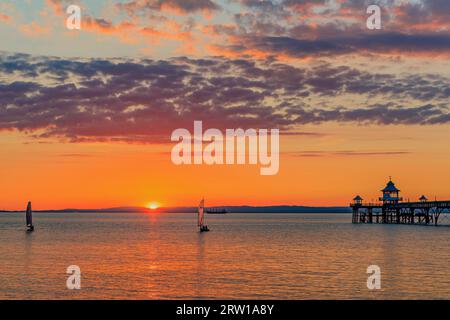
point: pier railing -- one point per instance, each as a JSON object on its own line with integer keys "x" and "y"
{"x": 423, "y": 204}
{"x": 423, "y": 212}
{"x": 367, "y": 204}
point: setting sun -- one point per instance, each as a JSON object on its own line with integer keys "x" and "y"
{"x": 153, "y": 206}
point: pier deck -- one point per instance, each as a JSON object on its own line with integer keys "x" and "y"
{"x": 424, "y": 212}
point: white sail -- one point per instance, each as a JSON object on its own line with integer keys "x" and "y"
{"x": 201, "y": 212}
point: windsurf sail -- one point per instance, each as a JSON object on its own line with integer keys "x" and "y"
{"x": 201, "y": 213}
{"x": 29, "y": 215}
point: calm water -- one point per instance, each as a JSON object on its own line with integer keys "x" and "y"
{"x": 256, "y": 256}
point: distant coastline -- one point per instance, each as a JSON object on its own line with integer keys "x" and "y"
{"x": 230, "y": 209}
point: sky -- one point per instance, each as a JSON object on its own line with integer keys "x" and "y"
{"x": 86, "y": 115}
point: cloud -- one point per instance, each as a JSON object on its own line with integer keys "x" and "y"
{"x": 294, "y": 29}
{"x": 74, "y": 155}
{"x": 190, "y": 5}
{"x": 383, "y": 43}
{"x": 381, "y": 114}
{"x": 33, "y": 29}
{"x": 5, "y": 18}
{"x": 347, "y": 153}
{"x": 307, "y": 29}
{"x": 142, "y": 100}
{"x": 180, "y": 6}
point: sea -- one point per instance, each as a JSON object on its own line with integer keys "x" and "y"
{"x": 245, "y": 256}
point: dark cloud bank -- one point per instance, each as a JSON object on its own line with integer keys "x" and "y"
{"x": 142, "y": 101}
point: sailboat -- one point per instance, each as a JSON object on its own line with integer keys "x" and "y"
{"x": 29, "y": 216}
{"x": 201, "y": 216}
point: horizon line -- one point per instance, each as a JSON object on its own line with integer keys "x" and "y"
{"x": 175, "y": 207}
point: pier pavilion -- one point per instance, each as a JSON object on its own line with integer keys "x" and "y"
{"x": 392, "y": 209}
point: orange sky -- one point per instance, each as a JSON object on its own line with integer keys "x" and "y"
{"x": 373, "y": 104}
{"x": 313, "y": 171}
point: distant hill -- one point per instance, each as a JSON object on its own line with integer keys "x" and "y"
{"x": 286, "y": 209}
{"x": 230, "y": 209}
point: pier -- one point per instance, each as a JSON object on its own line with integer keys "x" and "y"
{"x": 391, "y": 209}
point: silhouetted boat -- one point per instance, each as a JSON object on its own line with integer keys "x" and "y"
{"x": 201, "y": 217}
{"x": 29, "y": 218}
{"x": 216, "y": 211}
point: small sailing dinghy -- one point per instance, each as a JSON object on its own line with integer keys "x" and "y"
{"x": 201, "y": 217}
{"x": 29, "y": 216}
